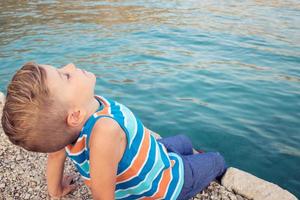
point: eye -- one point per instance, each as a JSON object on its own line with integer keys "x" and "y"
{"x": 67, "y": 75}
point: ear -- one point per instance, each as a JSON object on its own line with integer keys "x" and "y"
{"x": 75, "y": 117}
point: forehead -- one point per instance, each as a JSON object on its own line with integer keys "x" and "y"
{"x": 52, "y": 77}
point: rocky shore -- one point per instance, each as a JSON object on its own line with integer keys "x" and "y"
{"x": 22, "y": 176}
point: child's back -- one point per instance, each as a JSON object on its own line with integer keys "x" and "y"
{"x": 146, "y": 168}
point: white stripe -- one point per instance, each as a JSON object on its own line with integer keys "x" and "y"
{"x": 76, "y": 162}
{"x": 88, "y": 162}
{"x": 180, "y": 174}
{"x": 76, "y": 154}
{"x": 109, "y": 109}
{"x": 103, "y": 99}
{"x": 129, "y": 122}
{"x": 123, "y": 113}
{"x": 86, "y": 178}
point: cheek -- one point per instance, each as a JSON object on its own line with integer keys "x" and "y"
{"x": 65, "y": 95}
{"x": 86, "y": 86}
{"x": 90, "y": 81}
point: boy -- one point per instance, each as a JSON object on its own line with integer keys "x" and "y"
{"x": 55, "y": 111}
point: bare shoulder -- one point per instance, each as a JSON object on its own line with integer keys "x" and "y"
{"x": 108, "y": 132}
{"x": 107, "y": 125}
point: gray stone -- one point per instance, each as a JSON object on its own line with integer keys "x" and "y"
{"x": 253, "y": 187}
{"x": 19, "y": 157}
{"x": 239, "y": 197}
{"x": 27, "y": 196}
{"x": 2, "y": 185}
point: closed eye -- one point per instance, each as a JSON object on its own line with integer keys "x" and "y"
{"x": 67, "y": 75}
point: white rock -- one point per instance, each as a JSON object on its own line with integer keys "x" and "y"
{"x": 253, "y": 187}
{"x": 2, "y": 185}
{"x": 27, "y": 196}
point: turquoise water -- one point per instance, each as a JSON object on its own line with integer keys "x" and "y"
{"x": 227, "y": 74}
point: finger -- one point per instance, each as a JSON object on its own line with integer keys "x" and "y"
{"x": 69, "y": 179}
{"x": 68, "y": 189}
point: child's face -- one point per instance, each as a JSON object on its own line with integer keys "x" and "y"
{"x": 70, "y": 84}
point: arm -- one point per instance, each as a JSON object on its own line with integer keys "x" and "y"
{"x": 104, "y": 158}
{"x": 57, "y": 185}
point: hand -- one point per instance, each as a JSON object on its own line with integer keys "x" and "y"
{"x": 68, "y": 186}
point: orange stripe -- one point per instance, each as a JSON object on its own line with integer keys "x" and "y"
{"x": 166, "y": 179}
{"x": 87, "y": 182}
{"x": 104, "y": 111}
{"x": 138, "y": 162}
{"x": 79, "y": 146}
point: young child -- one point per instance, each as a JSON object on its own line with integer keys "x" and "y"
{"x": 55, "y": 111}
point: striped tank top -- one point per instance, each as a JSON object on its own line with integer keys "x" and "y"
{"x": 146, "y": 170}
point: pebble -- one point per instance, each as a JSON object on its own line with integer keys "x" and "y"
{"x": 33, "y": 184}
{"x": 239, "y": 197}
{"x": 2, "y": 185}
{"x": 27, "y": 196}
{"x": 19, "y": 157}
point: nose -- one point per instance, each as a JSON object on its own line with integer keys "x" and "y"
{"x": 69, "y": 67}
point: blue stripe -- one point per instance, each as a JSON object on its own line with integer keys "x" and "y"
{"x": 85, "y": 166}
{"x": 137, "y": 141}
{"x": 175, "y": 180}
{"x": 78, "y": 158}
{"x": 164, "y": 156}
{"x": 82, "y": 172}
{"x": 147, "y": 167}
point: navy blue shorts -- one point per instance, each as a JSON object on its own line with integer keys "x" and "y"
{"x": 199, "y": 169}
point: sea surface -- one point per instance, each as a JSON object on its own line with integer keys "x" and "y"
{"x": 225, "y": 73}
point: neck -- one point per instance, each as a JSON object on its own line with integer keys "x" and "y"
{"x": 91, "y": 107}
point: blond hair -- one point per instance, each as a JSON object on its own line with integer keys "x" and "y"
{"x": 31, "y": 117}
